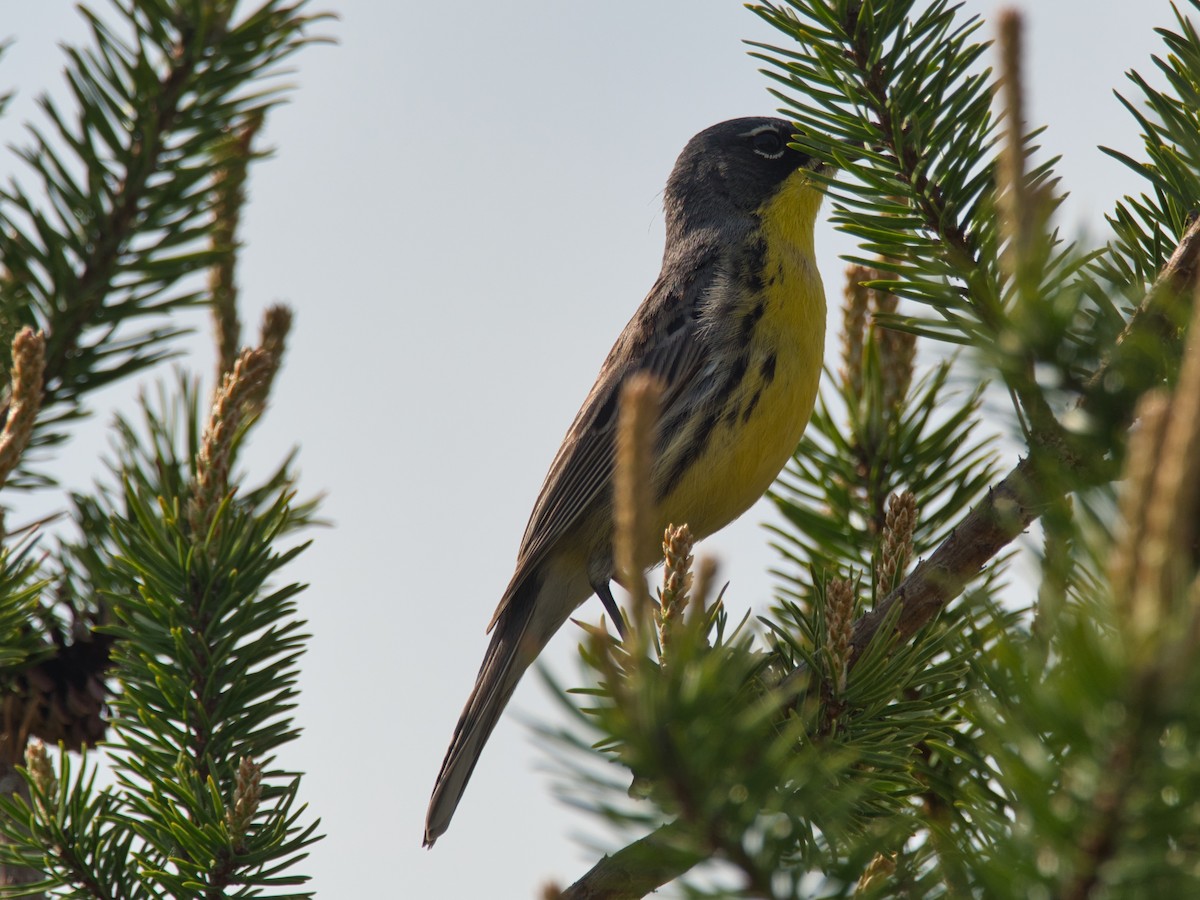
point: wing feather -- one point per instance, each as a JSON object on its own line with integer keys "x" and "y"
{"x": 663, "y": 338}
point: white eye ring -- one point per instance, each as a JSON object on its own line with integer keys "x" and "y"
{"x": 767, "y": 154}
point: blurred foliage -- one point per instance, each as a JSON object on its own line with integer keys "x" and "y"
{"x": 162, "y": 617}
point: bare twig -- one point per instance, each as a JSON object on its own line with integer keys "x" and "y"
{"x": 640, "y": 868}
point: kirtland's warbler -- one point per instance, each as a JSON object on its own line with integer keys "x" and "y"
{"x": 734, "y": 329}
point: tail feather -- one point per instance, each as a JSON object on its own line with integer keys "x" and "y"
{"x": 512, "y": 649}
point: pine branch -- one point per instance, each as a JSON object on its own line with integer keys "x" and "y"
{"x": 897, "y": 83}
{"x": 135, "y": 195}
{"x": 154, "y": 109}
{"x": 875, "y": 435}
{"x": 1152, "y": 335}
{"x": 640, "y": 868}
{"x": 890, "y": 93}
{"x": 1025, "y": 492}
{"x": 1007, "y": 510}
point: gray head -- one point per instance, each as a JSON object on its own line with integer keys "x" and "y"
{"x": 730, "y": 168}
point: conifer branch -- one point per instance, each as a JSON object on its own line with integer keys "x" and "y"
{"x": 1009, "y": 507}
{"x": 640, "y": 868}
{"x": 1006, "y": 511}
{"x": 113, "y": 231}
{"x": 113, "y": 247}
{"x": 1152, "y": 334}
{"x": 134, "y": 195}
{"x": 1150, "y": 574}
{"x": 899, "y": 83}
{"x": 926, "y": 201}
{"x": 1025, "y": 492}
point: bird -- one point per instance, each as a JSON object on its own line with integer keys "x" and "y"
{"x": 733, "y": 330}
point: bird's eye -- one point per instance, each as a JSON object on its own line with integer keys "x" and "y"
{"x": 768, "y": 143}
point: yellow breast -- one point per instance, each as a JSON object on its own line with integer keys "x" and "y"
{"x": 763, "y": 421}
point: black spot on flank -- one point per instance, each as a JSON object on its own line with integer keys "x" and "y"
{"x": 728, "y": 389}
{"x": 730, "y": 417}
{"x": 776, "y": 275}
{"x": 768, "y": 369}
{"x": 688, "y": 457}
{"x": 751, "y": 318}
{"x": 758, "y": 254}
{"x": 704, "y": 432}
{"x": 736, "y": 372}
{"x": 755, "y": 265}
{"x": 746, "y": 413}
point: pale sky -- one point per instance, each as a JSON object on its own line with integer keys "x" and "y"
{"x": 463, "y": 212}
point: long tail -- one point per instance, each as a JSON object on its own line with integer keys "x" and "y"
{"x": 511, "y": 651}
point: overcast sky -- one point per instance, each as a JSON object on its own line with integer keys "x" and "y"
{"x": 463, "y": 211}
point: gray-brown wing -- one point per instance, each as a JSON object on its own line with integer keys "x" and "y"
{"x": 662, "y": 339}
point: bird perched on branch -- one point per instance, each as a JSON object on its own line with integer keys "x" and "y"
{"x": 734, "y": 331}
